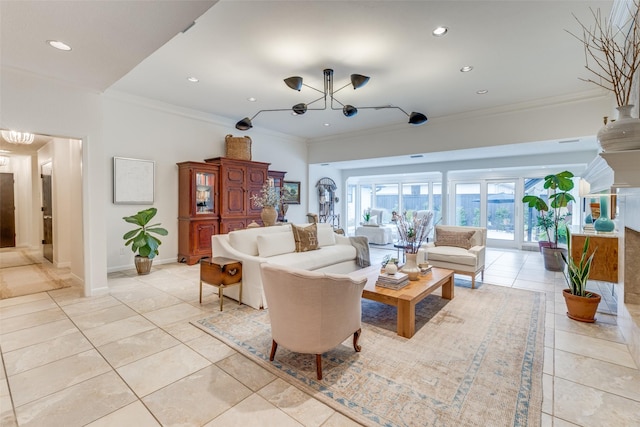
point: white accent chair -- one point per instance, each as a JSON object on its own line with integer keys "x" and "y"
{"x": 312, "y": 312}
{"x": 458, "y": 248}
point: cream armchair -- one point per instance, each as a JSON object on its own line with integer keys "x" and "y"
{"x": 458, "y": 248}
{"x": 312, "y": 312}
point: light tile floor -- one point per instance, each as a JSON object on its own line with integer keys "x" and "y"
{"x": 131, "y": 358}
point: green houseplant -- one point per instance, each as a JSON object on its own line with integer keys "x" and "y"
{"x": 142, "y": 240}
{"x": 581, "y": 304}
{"x": 551, "y": 216}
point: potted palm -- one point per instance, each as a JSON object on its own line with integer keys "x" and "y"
{"x": 552, "y": 215}
{"x": 143, "y": 243}
{"x": 581, "y": 304}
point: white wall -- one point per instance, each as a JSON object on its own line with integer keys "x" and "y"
{"x": 141, "y": 129}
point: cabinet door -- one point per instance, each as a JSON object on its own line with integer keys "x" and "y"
{"x": 203, "y": 193}
{"x": 256, "y": 177}
{"x": 234, "y": 200}
{"x": 201, "y": 237}
{"x": 228, "y": 225}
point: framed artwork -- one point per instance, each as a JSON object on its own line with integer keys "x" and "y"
{"x": 291, "y": 192}
{"x": 133, "y": 181}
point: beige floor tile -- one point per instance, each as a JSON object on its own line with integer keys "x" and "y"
{"x": 149, "y": 374}
{"x": 26, "y": 308}
{"x": 7, "y": 417}
{"x": 47, "y": 379}
{"x": 134, "y": 414}
{"x": 549, "y": 337}
{"x": 117, "y": 330}
{"x": 547, "y": 366}
{"x": 549, "y": 320}
{"x": 214, "y": 350}
{"x": 78, "y": 405}
{"x": 134, "y": 291}
{"x": 547, "y": 394}
{"x": 196, "y": 399}
{"x": 7, "y": 302}
{"x": 102, "y": 317}
{"x": 184, "y": 331}
{"x": 591, "y": 407}
{"x": 596, "y": 330}
{"x": 71, "y": 295}
{"x": 254, "y": 411}
{"x": 126, "y": 350}
{"x": 174, "y": 313}
{"x": 246, "y": 371}
{"x": 89, "y": 305}
{"x": 594, "y": 347}
{"x": 559, "y": 422}
{"x": 340, "y": 420}
{"x": 25, "y": 321}
{"x": 45, "y": 352}
{"x": 300, "y": 406}
{"x": 609, "y": 377}
{"x": 546, "y": 420}
{"x": 498, "y": 280}
{"x": 152, "y": 303}
{"x": 531, "y": 285}
{"x": 37, "y": 334}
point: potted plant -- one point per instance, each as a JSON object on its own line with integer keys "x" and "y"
{"x": 552, "y": 214}
{"x": 143, "y": 243}
{"x": 581, "y": 304}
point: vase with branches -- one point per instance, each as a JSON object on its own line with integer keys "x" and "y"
{"x": 612, "y": 57}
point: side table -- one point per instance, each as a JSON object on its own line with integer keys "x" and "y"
{"x": 221, "y": 272}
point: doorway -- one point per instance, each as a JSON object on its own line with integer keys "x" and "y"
{"x": 7, "y": 211}
{"x": 47, "y": 212}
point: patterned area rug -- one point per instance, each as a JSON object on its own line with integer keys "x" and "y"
{"x": 474, "y": 361}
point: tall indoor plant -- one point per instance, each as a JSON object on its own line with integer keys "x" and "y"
{"x": 581, "y": 304}
{"x": 552, "y": 214}
{"x": 142, "y": 240}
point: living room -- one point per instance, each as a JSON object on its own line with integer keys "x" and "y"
{"x": 112, "y": 122}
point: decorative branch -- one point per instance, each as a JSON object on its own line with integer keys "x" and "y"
{"x": 612, "y": 54}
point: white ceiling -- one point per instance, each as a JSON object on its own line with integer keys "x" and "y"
{"x": 238, "y": 49}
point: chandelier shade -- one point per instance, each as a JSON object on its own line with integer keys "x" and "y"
{"x": 356, "y": 80}
{"x": 15, "y": 137}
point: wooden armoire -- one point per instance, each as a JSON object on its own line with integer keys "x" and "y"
{"x": 215, "y": 197}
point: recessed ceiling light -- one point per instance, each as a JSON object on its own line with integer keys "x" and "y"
{"x": 466, "y": 68}
{"x": 482, "y": 91}
{"x": 251, "y": 99}
{"x": 59, "y": 45}
{"x": 439, "y": 31}
{"x": 193, "y": 79}
{"x": 326, "y": 124}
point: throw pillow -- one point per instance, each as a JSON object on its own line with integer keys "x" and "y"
{"x": 275, "y": 244}
{"x": 460, "y": 239}
{"x": 306, "y": 237}
{"x": 326, "y": 236}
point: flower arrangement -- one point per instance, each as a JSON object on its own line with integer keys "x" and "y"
{"x": 612, "y": 53}
{"x": 267, "y": 197}
{"x": 413, "y": 230}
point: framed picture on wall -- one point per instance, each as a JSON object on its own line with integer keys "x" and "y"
{"x": 133, "y": 181}
{"x": 291, "y": 192}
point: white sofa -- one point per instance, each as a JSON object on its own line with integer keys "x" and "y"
{"x": 276, "y": 245}
{"x": 458, "y": 248}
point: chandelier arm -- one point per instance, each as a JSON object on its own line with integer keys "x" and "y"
{"x": 275, "y": 109}
{"x": 316, "y": 100}
{"x": 311, "y": 87}
{"x": 384, "y": 107}
{"x": 336, "y": 91}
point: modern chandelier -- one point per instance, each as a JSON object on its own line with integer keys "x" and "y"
{"x": 15, "y": 137}
{"x": 357, "y": 81}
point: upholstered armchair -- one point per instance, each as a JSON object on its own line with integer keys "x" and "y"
{"x": 377, "y": 232}
{"x": 458, "y": 248}
{"x": 311, "y": 312}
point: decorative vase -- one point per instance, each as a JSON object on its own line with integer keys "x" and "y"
{"x": 269, "y": 216}
{"x": 411, "y": 266}
{"x": 580, "y": 308}
{"x": 603, "y": 223}
{"x": 621, "y": 134}
{"x": 143, "y": 264}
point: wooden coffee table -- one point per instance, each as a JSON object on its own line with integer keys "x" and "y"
{"x": 405, "y": 299}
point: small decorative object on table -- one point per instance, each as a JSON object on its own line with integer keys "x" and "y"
{"x": 413, "y": 232}
{"x": 393, "y": 281}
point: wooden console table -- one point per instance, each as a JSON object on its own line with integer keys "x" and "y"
{"x": 605, "y": 261}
